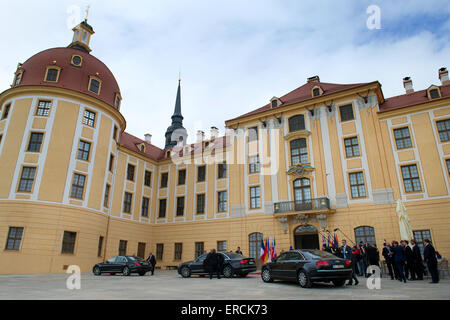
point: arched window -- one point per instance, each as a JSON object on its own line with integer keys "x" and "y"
{"x": 254, "y": 240}
{"x": 299, "y": 151}
{"x": 297, "y": 123}
{"x": 365, "y": 234}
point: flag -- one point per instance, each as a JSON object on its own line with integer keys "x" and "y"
{"x": 337, "y": 241}
{"x": 335, "y": 244}
{"x": 329, "y": 241}
{"x": 324, "y": 243}
{"x": 269, "y": 251}
{"x": 266, "y": 252}
{"x": 274, "y": 250}
{"x": 262, "y": 251}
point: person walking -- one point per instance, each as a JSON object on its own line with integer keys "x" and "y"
{"x": 152, "y": 261}
{"x": 417, "y": 258}
{"x": 354, "y": 260}
{"x": 399, "y": 260}
{"x": 429, "y": 256}
{"x": 387, "y": 254}
{"x": 409, "y": 267}
{"x": 211, "y": 262}
{"x": 238, "y": 250}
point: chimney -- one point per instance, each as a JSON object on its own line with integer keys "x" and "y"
{"x": 313, "y": 79}
{"x": 148, "y": 138}
{"x": 443, "y": 76}
{"x": 214, "y": 133}
{"x": 200, "y": 136}
{"x": 408, "y": 85}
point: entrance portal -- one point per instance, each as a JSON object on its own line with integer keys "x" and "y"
{"x": 306, "y": 237}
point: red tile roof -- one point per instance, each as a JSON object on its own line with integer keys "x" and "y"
{"x": 411, "y": 99}
{"x": 303, "y": 93}
{"x": 131, "y": 142}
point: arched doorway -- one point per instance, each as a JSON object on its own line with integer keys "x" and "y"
{"x": 306, "y": 237}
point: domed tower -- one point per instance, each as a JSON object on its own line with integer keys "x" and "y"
{"x": 59, "y": 126}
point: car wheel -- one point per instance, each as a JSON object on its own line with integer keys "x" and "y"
{"x": 97, "y": 271}
{"x": 126, "y": 271}
{"x": 338, "y": 283}
{"x": 228, "y": 272}
{"x": 303, "y": 279}
{"x": 185, "y": 272}
{"x": 266, "y": 275}
{"x": 142, "y": 273}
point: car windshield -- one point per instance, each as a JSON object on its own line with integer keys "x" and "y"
{"x": 133, "y": 258}
{"x": 320, "y": 254}
{"x": 232, "y": 255}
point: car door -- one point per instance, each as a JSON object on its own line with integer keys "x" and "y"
{"x": 108, "y": 266}
{"x": 121, "y": 262}
{"x": 290, "y": 266}
{"x": 197, "y": 265}
{"x": 277, "y": 267}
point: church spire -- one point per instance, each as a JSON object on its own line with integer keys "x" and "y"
{"x": 176, "y": 132}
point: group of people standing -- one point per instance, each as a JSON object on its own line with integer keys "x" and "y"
{"x": 404, "y": 261}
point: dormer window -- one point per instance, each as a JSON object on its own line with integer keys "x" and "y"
{"x": 141, "y": 147}
{"x": 274, "y": 102}
{"x": 316, "y": 91}
{"x": 117, "y": 101}
{"x": 95, "y": 85}
{"x": 434, "y": 93}
{"x": 52, "y": 74}
{"x": 76, "y": 60}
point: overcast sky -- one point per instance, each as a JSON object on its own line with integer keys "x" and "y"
{"x": 233, "y": 55}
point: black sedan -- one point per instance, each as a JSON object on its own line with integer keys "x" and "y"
{"x": 122, "y": 264}
{"x": 233, "y": 264}
{"x": 306, "y": 267}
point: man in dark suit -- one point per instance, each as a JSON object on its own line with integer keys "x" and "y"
{"x": 151, "y": 259}
{"x": 399, "y": 260}
{"x": 238, "y": 251}
{"x": 345, "y": 252}
{"x": 212, "y": 263}
{"x": 417, "y": 256}
{"x": 372, "y": 255}
{"x": 387, "y": 254}
{"x": 409, "y": 267}
{"x": 429, "y": 256}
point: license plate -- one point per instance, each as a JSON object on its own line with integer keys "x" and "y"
{"x": 144, "y": 263}
{"x": 338, "y": 266}
{"x": 251, "y": 262}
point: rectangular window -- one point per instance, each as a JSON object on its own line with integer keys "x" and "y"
{"x": 200, "y": 203}
{"x": 222, "y": 170}
{"x": 94, "y": 86}
{"x": 180, "y": 206}
{"x": 111, "y": 163}
{"x": 141, "y": 250}
{"x": 346, "y": 112}
{"x": 419, "y": 236}
{"x": 199, "y": 249}
{"x": 115, "y": 133}
{"x": 444, "y": 130}
{"x": 162, "y": 208}
{"x": 43, "y": 108}
{"x": 52, "y": 75}
{"x": 106, "y": 198}
{"x": 411, "y": 178}
{"x": 6, "y": 111}
{"x": 181, "y": 177}
{"x": 100, "y": 246}
{"x": 159, "y": 251}
{"x": 221, "y": 246}
{"x": 148, "y": 178}
{"x": 253, "y": 165}
{"x": 83, "y": 150}
{"x": 178, "y": 251}
{"x": 123, "y": 247}
{"x": 27, "y": 179}
{"x": 201, "y": 173}
{"x": 127, "y": 199}
{"x": 402, "y": 138}
{"x": 14, "y": 238}
{"x": 351, "y": 147}
{"x": 1, "y": 137}
{"x": 68, "y": 243}
{"x": 89, "y": 118}
{"x": 130, "y": 172}
{"x": 145, "y": 202}
{"x": 222, "y": 201}
{"x": 164, "y": 178}
{"x": 34, "y": 145}
{"x": 448, "y": 165}
{"x": 357, "y": 187}
{"x": 255, "y": 197}
{"x": 77, "y": 186}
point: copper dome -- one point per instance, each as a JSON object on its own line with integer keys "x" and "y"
{"x": 71, "y": 77}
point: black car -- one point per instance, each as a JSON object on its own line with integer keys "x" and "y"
{"x": 233, "y": 264}
{"x": 122, "y": 264}
{"x": 306, "y": 267}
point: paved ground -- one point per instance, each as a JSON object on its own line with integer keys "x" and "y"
{"x": 169, "y": 285}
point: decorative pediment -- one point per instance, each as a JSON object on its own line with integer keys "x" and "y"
{"x": 300, "y": 170}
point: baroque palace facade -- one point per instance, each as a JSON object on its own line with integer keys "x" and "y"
{"x": 76, "y": 188}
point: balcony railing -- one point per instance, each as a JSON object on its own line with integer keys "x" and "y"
{"x": 305, "y": 205}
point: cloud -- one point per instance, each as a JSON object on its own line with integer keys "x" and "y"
{"x": 234, "y": 55}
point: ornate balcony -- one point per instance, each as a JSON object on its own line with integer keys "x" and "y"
{"x": 317, "y": 205}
